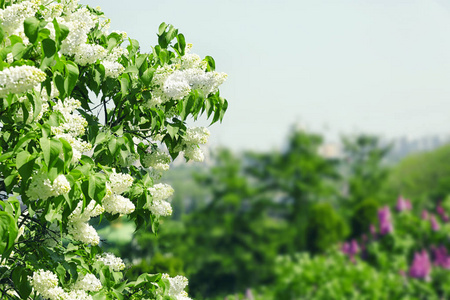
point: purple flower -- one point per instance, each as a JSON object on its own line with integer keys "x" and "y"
{"x": 441, "y": 258}
{"x": 441, "y": 212}
{"x": 350, "y": 249}
{"x": 434, "y": 224}
{"x": 403, "y": 204}
{"x": 384, "y": 217}
{"x": 421, "y": 266}
{"x": 424, "y": 215}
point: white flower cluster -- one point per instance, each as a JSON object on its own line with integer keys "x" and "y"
{"x": 46, "y": 284}
{"x": 113, "y": 202}
{"x": 87, "y": 282}
{"x": 12, "y": 17}
{"x": 89, "y": 54}
{"x": 193, "y": 138}
{"x": 80, "y": 22}
{"x": 113, "y": 262}
{"x": 157, "y": 160}
{"x": 42, "y": 188}
{"x": 177, "y": 286}
{"x": 78, "y": 226}
{"x": 19, "y": 79}
{"x": 160, "y": 192}
{"x": 73, "y": 126}
{"x": 177, "y": 80}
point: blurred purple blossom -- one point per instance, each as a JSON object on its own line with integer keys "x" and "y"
{"x": 421, "y": 266}
{"x": 441, "y": 258}
{"x": 403, "y": 204}
{"x": 434, "y": 224}
{"x": 384, "y": 217}
{"x": 441, "y": 212}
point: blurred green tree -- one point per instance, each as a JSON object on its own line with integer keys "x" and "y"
{"x": 363, "y": 167}
{"x": 296, "y": 178}
{"x": 325, "y": 227}
{"x": 422, "y": 177}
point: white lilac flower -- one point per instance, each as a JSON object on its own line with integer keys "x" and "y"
{"x": 60, "y": 185}
{"x": 208, "y": 82}
{"x": 177, "y": 86}
{"x": 42, "y": 188}
{"x": 177, "y": 285}
{"x": 161, "y": 191}
{"x": 75, "y": 125}
{"x": 52, "y": 10}
{"x": 192, "y": 61}
{"x": 117, "y": 204}
{"x": 108, "y": 259}
{"x": 12, "y": 17}
{"x": 116, "y": 53}
{"x": 9, "y": 58}
{"x": 88, "y": 54}
{"x": 87, "y": 282}
{"x": 112, "y": 68}
{"x": 196, "y": 135}
{"x": 120, "y": 182}
{"x": 160, "y": 208}
{"x": 157, "y": 160}
{"x": 83, "y": 232}
{"x": 67, "y": 107}
{"x": 43, "y": 281}
{"x": 93, "y": 209}
{"x": 19, "y": 79}
{"x": 193, "y": 152}
{"x": 80, "y": 22}
{"x": 69, "y": 6}
{"x": 77, "y": 295}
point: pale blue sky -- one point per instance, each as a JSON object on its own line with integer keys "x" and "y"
{"x": 336, "y": 66}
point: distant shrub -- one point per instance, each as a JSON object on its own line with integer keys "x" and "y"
{"x": 325, "y": 228}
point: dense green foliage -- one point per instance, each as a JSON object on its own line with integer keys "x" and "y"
{"x": 243, "y": 231}
{"x": 422, "y": 176}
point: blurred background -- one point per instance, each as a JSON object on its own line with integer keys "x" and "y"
{"x": 329, "y": 176}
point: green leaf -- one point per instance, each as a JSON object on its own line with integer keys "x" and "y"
{"x": 68, "y": 152}
{"x": 172, "y": 129}
{"x": 49, "y": 48}
{"x": 20, "y": 278}
{"x": 113, "y": 146}
{"x": 25, "y": 164}
{"x": 51, "y": 149}
{"x": 124, "y": 84}
{"x": 31, "y": 28}
{"x": 2, "y": 34}
{"x": 58, "y": 79}
{"x": 211, "y": 63}
{"x": 97, "y": 186}
{"x": 8, "y": 233}
{"x": 18, "y": 50}
{"x": 61, "y": 31}
{"x": 71, "y": 79}
{"x": 162, "y": 28}
{"x": 181, "y": 45}
{"x": 147, "y": 76}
